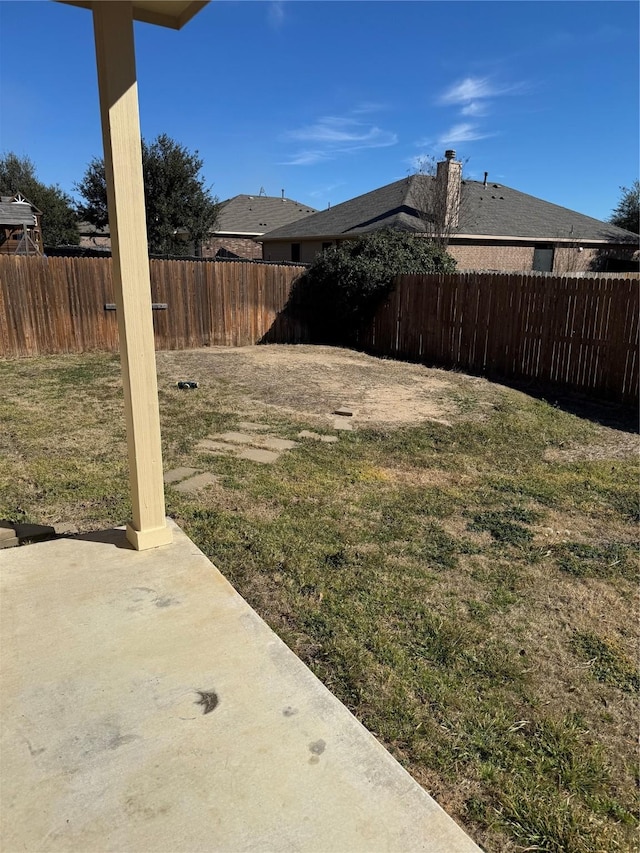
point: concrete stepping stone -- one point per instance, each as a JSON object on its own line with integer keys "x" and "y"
{"x": 210, "y": 446}
{"x": 225, "y": 439}
{"x": 316, "y": 436}
{"x": 249, "y": 425}
{"x": 194, "y": 484}
{"x": 339, "y": 423}
{"x": 235, "y": 437}
{"x": 274, "y": 443}
{"x": 254, "y": 454}
{"x": 177, "y": 474}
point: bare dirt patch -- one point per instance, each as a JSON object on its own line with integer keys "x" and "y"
{"x": 311, "y": 382}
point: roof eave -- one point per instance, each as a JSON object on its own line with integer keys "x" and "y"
{"x": 549, "y": 239}
{"x": 155, "y": 12}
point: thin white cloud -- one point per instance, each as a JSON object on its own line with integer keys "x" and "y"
{"x": 472, "y": 97}
{"x": 344, "y": 131}
{"x": 323, "y": 192}
{"x": 473, "y": 89}
{"x": 463, "y": 132}
{"x": 475, "y": 109}
{"x": 305, "y": 158}
{"x": 276, "y": 14}
{"x": 368, "y": 107}
{"x": 333, "y": 136}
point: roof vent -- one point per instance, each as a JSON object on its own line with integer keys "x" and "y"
{"x": 450, "y": 154}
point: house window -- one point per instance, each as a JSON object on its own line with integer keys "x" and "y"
{"x": 543, "y": 259}
{"x": 295, "y": 252}
{"x": 326, "y": 246}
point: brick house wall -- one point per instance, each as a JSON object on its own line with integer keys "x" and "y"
{"x": 242, "y": 247}
{"x": 506, "y": 258}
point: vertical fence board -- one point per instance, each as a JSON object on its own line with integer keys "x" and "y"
{"x": 581, "y": 333}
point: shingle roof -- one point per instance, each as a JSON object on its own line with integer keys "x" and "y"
{"x": 16, "y": 213}
{"x": 255, "y": 214}
{"x": 492, "y": 210}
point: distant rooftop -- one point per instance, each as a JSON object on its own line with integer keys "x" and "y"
{"x": 486, "y": 210}
{"x": 253, "y": 215}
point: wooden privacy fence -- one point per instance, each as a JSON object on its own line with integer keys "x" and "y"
{"x": 57, "y": 305}
{"x": 579, "y": 333}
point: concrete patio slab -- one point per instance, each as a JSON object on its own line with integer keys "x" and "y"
{"x": 146, "y": 707}
{"x": 8, "y": 538}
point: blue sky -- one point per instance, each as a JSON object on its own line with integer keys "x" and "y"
{"x": 328, "y": 100}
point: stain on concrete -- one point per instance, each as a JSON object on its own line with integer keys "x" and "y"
{"x": 208, "y": 699}
{"x": 142, "y": 597}
{"x": 289, "y": 711}
{"x": 35, "y": 752}
{"x": 120, "y": 740}
{"x": 165, "y": 601}
{"x": 317, "y": 747}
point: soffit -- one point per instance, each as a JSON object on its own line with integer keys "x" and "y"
{"x": 164, "y": 13}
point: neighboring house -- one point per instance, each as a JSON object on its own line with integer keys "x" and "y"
{"x": 489, "y": 226}
{"x": 20, "y": 226}
{"x": 94, "y": 238}
{"x": 243, "y": 219}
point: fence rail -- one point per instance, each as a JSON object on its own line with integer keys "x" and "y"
{"x": 578, "y": 333}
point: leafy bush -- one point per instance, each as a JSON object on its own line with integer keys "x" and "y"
{"x": 345, "y": 283}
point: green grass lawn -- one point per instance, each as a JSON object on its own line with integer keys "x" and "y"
{"x": 467, "y": 590}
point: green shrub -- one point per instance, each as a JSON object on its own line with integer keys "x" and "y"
{"x": 345, "y": 283}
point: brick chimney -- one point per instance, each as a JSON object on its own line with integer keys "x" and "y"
{"x": 448, "y": 186}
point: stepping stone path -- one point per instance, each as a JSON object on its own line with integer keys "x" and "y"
{"x": 316, "y": 436}
{"x": 194, "y": 484}
{"x": 252, "y": 444}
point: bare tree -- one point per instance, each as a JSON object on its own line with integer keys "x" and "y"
{"x": 437, "y": 196}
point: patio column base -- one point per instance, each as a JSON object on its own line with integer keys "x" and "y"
{"x": 142, "y": 540}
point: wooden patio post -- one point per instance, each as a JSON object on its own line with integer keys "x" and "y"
{"x": 113, "y": 29}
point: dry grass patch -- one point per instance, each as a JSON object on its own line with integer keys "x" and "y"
{"x": 468, "y": 590}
